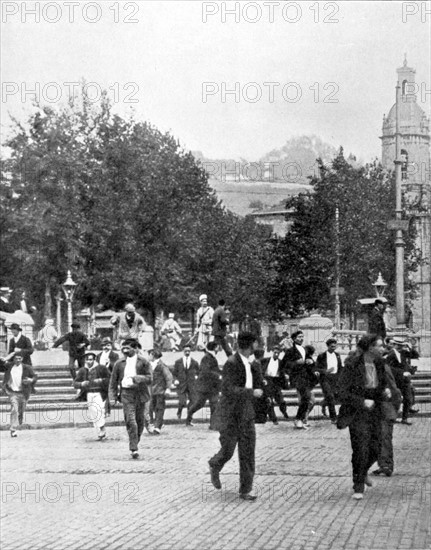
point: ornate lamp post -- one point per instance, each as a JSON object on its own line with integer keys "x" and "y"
{"x": 380, "y": 286}
{"x": 69, "y": 287}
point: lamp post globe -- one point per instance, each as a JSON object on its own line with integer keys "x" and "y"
{"x": 69, "y": 287}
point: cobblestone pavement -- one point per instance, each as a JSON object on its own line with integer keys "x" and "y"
{"x": 62, "y": 489}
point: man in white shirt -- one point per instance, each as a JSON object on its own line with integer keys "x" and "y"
{"x": 131, "y": 384}
{"x": 273, "y": 372}
{"x": 18, "y": 384}
{"x": 241, "y": 381}
{"x": 172, "y": 330}
{"x": 328, "y": 365}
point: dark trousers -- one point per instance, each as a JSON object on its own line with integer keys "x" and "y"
{"x": 245, "y": 436}
{"x": 329, "y": 385}
{"x": 134, "y": 415}
{"x": 365, "y": 438}
{"x": 221, "y": 341}
{"x": 183, "y": 397}
{"x": 72, "y": 368}
{"x": 199, "y": 402}
{"x": 386, "y": 453}
{"x": 272, "y": 390}
{"x": 157, "y": 411}
{"x": 408, "y": 398}
{"x": 306, "y": 402}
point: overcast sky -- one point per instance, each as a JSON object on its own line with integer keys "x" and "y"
{"x": 168, "y": 53}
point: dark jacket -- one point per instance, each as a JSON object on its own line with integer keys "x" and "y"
{"x": 299, "y": 374}
{"x": 77, "y": 343}
{"x": 398, "y": 368}
{"x": 186, "y": 378}
{"x": 236, "y": 402}
{"x": 352, "y": 390}
{"x": 142, "y": 382}
{"x": 209, "y": 379}
{"x": 113, "y": 358}
{"x": 322, "y": 364}
{"x": 27, "y": 372}
{"x": 390, "y": 408}
{"x": 220, "y": 322}
{"x": 24, "y": 344}
{"x": 162, "y": 378}
{"x": 376, "y": 324}
{"x": 98, "y": 376}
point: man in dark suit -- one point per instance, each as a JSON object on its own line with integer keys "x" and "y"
{"x": 20, "y": 343}
{"x": 107, "y": 357}
{"x": 397, "y": 360}
{"x": 241, "y": 381}
{"x": 220, "y": 324}
{"x": 273, "y": 372}
{"x": 207, "y": 385}
{"x": 299, "y": 369}
{"x": 186, "y": 371}
{"x": 77, "y": 344}
{"x": 329, "y": 366}
{"x": 376, "y": 323}
{"x": 5, "y": 304}
{"x": 131, "y": 384}
{"x": 18, "y": 383}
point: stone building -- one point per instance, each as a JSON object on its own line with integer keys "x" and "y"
{"x": 414, "y": 140}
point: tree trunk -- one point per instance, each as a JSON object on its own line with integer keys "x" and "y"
{"x": 47, "y": 311}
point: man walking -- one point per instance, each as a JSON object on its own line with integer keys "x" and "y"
{"x": 131, "y": 385}
{"x": 162, "y": 381}
{"x": 18, "y": 383}
{"x": 273, "y": 372}
{"x": 328, "y": 366}
{"x": 77, "y": 344}
{"x": 93, "y": 381}
{"x": 186, "y": 372}
{"x": 207, "y": 385}
{"x": 219, "y": 328}
{"x": 240, "y": 383}
{"x": 398, "y": 362}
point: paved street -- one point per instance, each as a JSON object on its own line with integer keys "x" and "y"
{"x": 61, "y": 489}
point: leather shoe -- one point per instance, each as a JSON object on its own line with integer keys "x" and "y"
{"x": 413, "y": 411}
{"x": 377, "y": 472}
{"x": 189, "y": 423}
{"x": 248, "y": 496}
{"x": 215, "y": 477}
{"x": 406, "y": 422}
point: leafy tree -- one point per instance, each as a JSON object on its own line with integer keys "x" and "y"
{"x": 306, "y": 257}
{"x": 126, "y": 209}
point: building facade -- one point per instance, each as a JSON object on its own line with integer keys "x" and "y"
{"x": 414, "y": 144}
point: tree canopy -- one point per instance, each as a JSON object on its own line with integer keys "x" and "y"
{"x": 305, "y": 258}
{"x": 127, "y": 210}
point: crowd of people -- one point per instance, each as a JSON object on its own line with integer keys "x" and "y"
{"x": 371, "y": 386}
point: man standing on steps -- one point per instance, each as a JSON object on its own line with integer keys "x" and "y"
{"x": 376, "y": 323}
{"x": 20, "y": 343}
{"x": 186, "y": 371}
{"x": 131, "y": 385}
{"x": 241, "y": 381}
{"x": 220, "y": 324}
{"x": 77, "y": 344}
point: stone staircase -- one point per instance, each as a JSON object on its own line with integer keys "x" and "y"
{"x": 54, "y": 390}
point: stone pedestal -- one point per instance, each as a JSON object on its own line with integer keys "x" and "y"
{"x": 317, "y": 330}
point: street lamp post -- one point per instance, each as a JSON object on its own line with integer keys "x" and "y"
{"x": 380, "y": 286}
{"x": 58, "y": 300}
{"x": 337, "y": 269}
{"x": 69, "y": 287}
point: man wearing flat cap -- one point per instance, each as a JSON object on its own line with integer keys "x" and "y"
{"x": 19, "y": 343}
{"x": 204, "y": 321}
{"x": 131, "y": 381}
{"x": 77, "y": 344}
{"x": 93, "y": 381}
